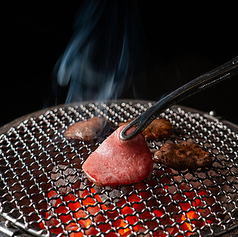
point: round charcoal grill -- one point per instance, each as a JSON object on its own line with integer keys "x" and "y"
{"x": 45, "y": 192}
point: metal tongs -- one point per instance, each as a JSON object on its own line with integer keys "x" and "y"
{"x": 208, "y": 79}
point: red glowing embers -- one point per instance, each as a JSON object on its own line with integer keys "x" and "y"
{"x": 139, "y": 211}
{"x": 157, "y": 207}
{"x": 67, "y": 214}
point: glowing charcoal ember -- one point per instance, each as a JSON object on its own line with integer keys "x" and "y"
{"x": 69, "y": 209}
{"x": 129, "y": 216}
{"x": 126, "y": 218}
{"x": 111, "y": 196}
{"x": 117, "y": 162}
{"x": 88, "y": 214}
{"x": 73, "y": 227}
{"x": 62, "y": 176}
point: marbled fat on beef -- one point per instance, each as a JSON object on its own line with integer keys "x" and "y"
{"x": 116, "y": 162}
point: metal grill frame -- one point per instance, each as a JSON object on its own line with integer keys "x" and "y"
{"x": 18, "y": 140}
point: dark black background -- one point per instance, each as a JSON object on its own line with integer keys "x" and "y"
{"x": 183, "y": 40}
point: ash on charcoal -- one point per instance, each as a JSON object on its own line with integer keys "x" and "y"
{"x": 63, "y": 176}
{"x": 109, "y": 196}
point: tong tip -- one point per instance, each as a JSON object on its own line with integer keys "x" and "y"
{"x": 124, "y": 132}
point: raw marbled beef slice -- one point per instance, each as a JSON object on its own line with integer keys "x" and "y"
{"x": 117, "y": 162}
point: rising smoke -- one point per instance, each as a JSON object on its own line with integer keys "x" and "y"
{"x": 105, "y": 51}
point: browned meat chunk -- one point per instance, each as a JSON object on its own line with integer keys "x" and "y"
{"x": 86, "y": 130}
{"x": 182, "y": 156}
{"x": 158, "y": 129}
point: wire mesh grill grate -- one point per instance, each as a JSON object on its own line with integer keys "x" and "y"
{"x": 44, "y": 190}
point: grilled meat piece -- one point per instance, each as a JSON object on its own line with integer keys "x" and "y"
{"x": 116, "y": 162}
{"x": 86, "y": 130}
{"x": 182, "y": 156}
{"x": 158, "y": 129}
